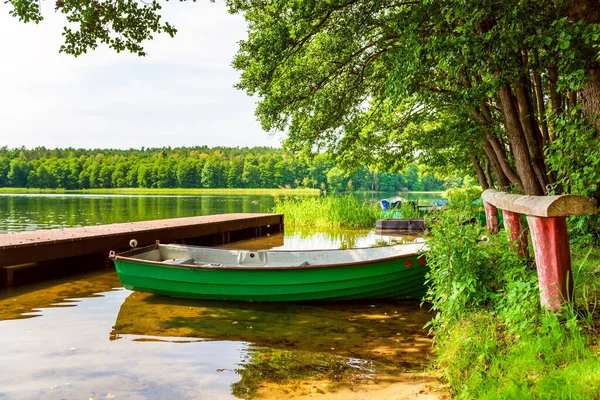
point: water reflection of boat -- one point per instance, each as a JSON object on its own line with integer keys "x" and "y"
{"x": 224, "y": 274}
{"x": 389, "y": 332}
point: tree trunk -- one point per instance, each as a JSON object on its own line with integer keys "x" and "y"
{"x": 501, "y": 178}
{"x": 480, "y": 174}
{"x": 532, "y": 133}
{"x": 518, "y": 143}
{"x": 571, "y": 99}
{"x": 590, "y": 98}
{"x": 498, "y": 150}
{"x": 488, "y": 172}
{"x": 589, "y": 11}
{"x": 539, "y": 99}
{"x": 554, "y": 99}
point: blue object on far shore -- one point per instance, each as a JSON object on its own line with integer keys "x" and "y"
{"x": 390, "y": 203}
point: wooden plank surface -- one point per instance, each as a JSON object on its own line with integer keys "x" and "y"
{"x": 42, "y": 245}
{"x": 540, "y": 206}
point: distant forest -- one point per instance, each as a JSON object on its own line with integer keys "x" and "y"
{"x": 196, "y": 167}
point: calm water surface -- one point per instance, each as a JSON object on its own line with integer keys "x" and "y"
{"x": 87, "y": 337}
{"x": 46, "y": 211}
{"x": 19, "y": 212}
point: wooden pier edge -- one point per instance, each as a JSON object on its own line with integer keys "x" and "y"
{"x": 546, "y": 217}
{"x": 46, "y": 245}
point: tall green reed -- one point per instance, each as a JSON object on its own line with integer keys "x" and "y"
{"x": 330, "y": 211}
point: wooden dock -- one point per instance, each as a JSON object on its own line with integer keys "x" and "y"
{"x": 401, "y": 224}
{"x": 54, "y": 244}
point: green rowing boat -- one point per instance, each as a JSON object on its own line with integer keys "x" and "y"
{"x": 391, "y": 272}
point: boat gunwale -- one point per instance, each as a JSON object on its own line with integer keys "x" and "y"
{"x": 126, "y": 257}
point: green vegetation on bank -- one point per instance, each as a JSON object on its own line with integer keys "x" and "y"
{"x": 171, "y": 191}
{"x": 337, "y": 212}
{"x": 197, "y": 167}
{"x": 493, "y": 339}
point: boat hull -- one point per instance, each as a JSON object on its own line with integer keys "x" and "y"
{"x": 400, "y": 278}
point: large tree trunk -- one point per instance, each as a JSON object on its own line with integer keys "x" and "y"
{"x": 532, "y": 133}
{"x": 488, "y": 172}
{"x": 589, "y": 12}
{"x": 590, "y": 98}
{"x": 518, "y": 143}
{"x": 495, "y": 152}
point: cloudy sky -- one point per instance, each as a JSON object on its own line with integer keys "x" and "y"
{"x": 181, "y": 94}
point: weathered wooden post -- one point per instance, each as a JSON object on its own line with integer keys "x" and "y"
{"x": 517, "y": 231}
{"x": 491, "y": 217}
{"x": 546, "y": 216}
{"x": 553, "y": 259}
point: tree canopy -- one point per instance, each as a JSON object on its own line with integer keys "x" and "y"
{"x": 506, "y": 89}
{"x": 486, "y": 83}
{"x": 197, "y": 167}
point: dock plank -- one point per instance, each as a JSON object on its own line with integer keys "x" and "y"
{"x": 43, "y": 245}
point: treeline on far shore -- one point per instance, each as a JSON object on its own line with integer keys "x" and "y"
{"x": 197, "y": 167}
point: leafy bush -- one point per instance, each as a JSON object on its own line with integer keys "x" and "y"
{"x": 574, "y": 158}
{"x": 467, "y": 273}
{"x": 493, "y": 338}
{"x": 462, "y": 199}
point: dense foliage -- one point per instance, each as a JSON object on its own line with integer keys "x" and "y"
{"x": 507, "y": 90}
{"x": 198, "y": 167}
{"x": 493, "y": 338}
{"x": 480, "y": 84}
{"x": 496, "y": 87}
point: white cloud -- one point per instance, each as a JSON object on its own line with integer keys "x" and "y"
{"x": 180, "y": 94}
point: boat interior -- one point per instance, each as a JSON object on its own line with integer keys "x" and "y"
{"x": 182, "y": 255}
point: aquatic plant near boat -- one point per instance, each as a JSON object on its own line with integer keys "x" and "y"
{"x": 330, "y": 211}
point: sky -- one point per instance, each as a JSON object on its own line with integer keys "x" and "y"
{"x": 180, "y": 94}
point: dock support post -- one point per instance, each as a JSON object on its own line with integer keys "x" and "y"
{"x": 9, "y": 276}
{"x": 515, "y": 226}
{"x": 491, "y": 217}
{"x": 553, "y": 259}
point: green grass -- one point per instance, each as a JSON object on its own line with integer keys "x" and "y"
{"x": 556, "y": 358}
{"x": 328, "y": 211}
{"x": 482, "y": 360}
{"x": 180, "y": 191}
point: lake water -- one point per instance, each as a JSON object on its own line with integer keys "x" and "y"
{"x": 19, "y": 212}
{"x": 87, "y": 337}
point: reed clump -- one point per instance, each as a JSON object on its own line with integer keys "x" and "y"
{"x": 330, "y": 211}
